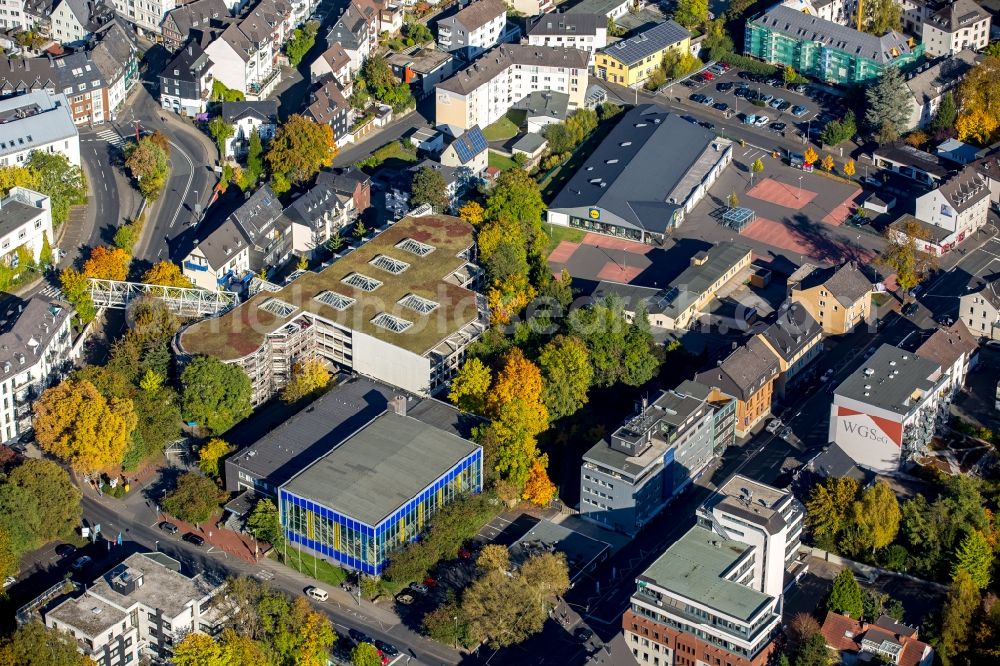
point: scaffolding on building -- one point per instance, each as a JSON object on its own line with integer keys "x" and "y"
{"x": 183, "y": 301}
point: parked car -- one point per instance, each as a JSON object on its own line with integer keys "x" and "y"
{"x": 404, "y": 598}
{"x": 168, "y": 527}
{"x": 777, "y": 127}
{"x": 798, "y": 111}
{"x": 708, "y": 75}
{"x": 81, "y": 562}
{"x": 583, "y": 634}
{"x": 317, "y": 593}
{"x": 766, "y": 98}
{"x": 720, "y": 106}
{"x": 748, "y": 118}
{"x": 784, "y": 106}
{"x": 773, "y": 425}
{"x": 697, "y": 97}
{"x": 707, "y": 125}
{"x": 387, "y": 648}
{"x": 194, "y": 539}
{"x": 708, "y": 101}
{"x": 910, "y": 309}
{"x": 872, "y": 181}
{"x": 419, "y": 588}
{"x": 724, "y": 86}
{"x": 785, "y": 433}
{"x": 360, "y": 637}
{"x": 690, "y": 119}
{"x": 777, "y": 83}
{"x": 797, "y": 87}
{"x": 741, "y": 92}
{"x": 762, "y": 121}
{"x": 776, "y": 102}
{"x": 65, "y": 550}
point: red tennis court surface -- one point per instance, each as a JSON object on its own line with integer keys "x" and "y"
{"x": 562, "y": 252}
{"x": 780, "y": 194}
{"x": 615, "y": 272}
{"x": 607, "y": 242}
{"x": 839, "y": 215}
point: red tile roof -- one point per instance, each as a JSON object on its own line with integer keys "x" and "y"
{"x": 844, "y": 634}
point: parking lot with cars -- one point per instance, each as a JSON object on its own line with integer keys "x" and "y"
{"x": 793, "y": 110}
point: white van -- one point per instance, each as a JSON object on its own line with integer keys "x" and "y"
{"x": 317, "y": 593}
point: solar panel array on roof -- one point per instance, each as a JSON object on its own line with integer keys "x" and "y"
{"x": 647, "y": 42}
{"x": 470, "y": 144}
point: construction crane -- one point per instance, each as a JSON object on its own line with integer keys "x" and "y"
{"x": 861, "y": 13}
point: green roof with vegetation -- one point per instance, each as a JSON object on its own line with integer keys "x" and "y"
{"x": 242, "y": 330}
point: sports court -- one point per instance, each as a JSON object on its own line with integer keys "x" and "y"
{"x": 804, "y": 241}
{"x": 781, "y": 194}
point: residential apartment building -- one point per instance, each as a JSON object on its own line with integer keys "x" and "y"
{"x": 245, "y": 52}
{"x": 629, "y": 62}
{"x": 949, "y": 214}
{"x": 885, "y": 641}
{"x": 357, "y": 34}
{"x": 335, "y": 201}
{"x": 200, "y": 15}
{"x": 715, "y": 595}
{"x": 474, "y": 29}
{"x": 36, "y": 351}
{"x": 609, "y": 9}
{"x": 72, "y": 22}
{"x": 333, "y": 62}
{"x": 481, "y": 93}
{"x": 748, "y": 374}
{"x": 531, "y": 7}
{"x": 13, "y": 15}
{"x": 889, "y": 408}
{"x": 328, "y": 105}
{"x": 186, "y": 81}
{"x": 588, "y": 32}
{"x": 796, "y": 339}
{"x": 138, "y": 611}
{"x": 254, "y": 238}
{"x": 421, "y": 68}
{"x": 979, "y": 308}
{"x": 246, "y": 118}
{"x": 145, "y": 15}
{"x": 955, "y": 349}
{"x": 930, "y": 81}
{"x": 25, "y": 222}
{"x": 837, "y": 11}
{"x": 825, "y": 50}
{"x": 37, "y": 120}
{"x": 958, "y": 25}
{"x": 469, "y": 151}
{"x": 399, "y": 309}
{"x": 627, "y": 478}
{"x": 838, "y": 297}
{"x": 612, "y": 192}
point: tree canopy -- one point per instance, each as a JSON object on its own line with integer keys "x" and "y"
{"x": 216, "y": 395}
{"x": 619, "y": 351}
{"x": 429, "y": 187}
{"x": 194, "y": 498}
{"x": 166, "y": 273}
{"x": 107, "y": 263}
{"x": 845, "y": 595}
{"x": 568, "y": 374}
{"x": 146, "y": 160}
{"x": 889, "y": 104}
{"x": 34, "y": 644}
{"x": 902, "y": 257}
{"x": 299, "y": 149}
{"x": 308, "y": 379}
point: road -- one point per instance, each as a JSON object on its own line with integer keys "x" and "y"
{"x": 140, "y": 531}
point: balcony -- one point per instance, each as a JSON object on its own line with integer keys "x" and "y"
{"x": 256, "y": 87}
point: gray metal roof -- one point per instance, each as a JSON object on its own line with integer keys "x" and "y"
{"x": 569, "y": 23}
{"x": 548, "y": 103}
{"x": 694, "y": 568}
{"x": 14, "y": 213}
{"x": 616, "y": 177}
{"x": 281, "y": 452}
{"x": 792, "y": 332}
{"x": 744, "y": 371}
{"x": 803, "y": 27}
{"x": 600, "y": 7}
{"x": 889, "y": 380}
{"x": 45, "y": 119}
{"x": 381, "y": 467}
{"x": 646, "y": 43}
{"x": 529, "y": 143}
{"x": 27, "y": 329}
{"x": 265, "y": 110}
{"x": 489, "y": 65}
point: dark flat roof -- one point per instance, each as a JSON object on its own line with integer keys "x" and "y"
{"x": 381, "y": 467}
{"x": 889, "y": 379}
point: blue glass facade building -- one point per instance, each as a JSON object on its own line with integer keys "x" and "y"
{"x": 366, "y": 547}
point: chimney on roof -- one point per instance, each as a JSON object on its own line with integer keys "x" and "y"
{"x": 398, "y": 405}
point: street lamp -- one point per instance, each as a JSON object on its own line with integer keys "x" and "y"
{"x": 455, "y": 618}
{"x": 799, "y": 195}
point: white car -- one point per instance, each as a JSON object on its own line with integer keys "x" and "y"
{"x": 773, "y": 426}
{"x": 8, "y": 581}
{"x": 318, "y": 593}
{"x": 762, "y": 121}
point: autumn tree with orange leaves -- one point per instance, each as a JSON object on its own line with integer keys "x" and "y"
{"x": 76, "y": 424}
{"x": 107, "y": 263}
{"x": 167, "y": 274}
{"x": 538, "y": 489}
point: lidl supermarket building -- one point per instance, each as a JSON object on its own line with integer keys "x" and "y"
{"x": 376, "y": 491}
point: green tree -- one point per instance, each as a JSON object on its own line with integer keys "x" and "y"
{"x": 881, "y": 16}
{"x": 221, "y": 93}
{"x": 198, "y": 650}
{"x": 755, "y": 168}
{"x": 299, "y": 149}
{"x": 429, "y": 187}
{"x": 608, "y": 110}
{"x": 515, "y": 198}
{"x": 875, "y": 517}
{"x": 619, "y": 351}
{"x": 845, "y": 595}
{"x": 265, "y": 523}
{"x": 216, "y": 395}
{"x": 383, "y": 85}
{"x": 125, "y": 237}
{"x": 365, "y": 654}
{"x": 959, "y": 607}
{"x": 691, "y": 13}
{"x": 902, "y": 257}
{"x": 301, "y": 41}
{"x": 54, "y": 497}
{"x": 470, "y": 386}
{"x": 947, "y": 112}
{"x": 33, "y": 644}
{"x": 147, "y": 162}
{"x": 194, "y": 499}
{"x": 209, "y": 455}
{"x": 10, "y": 559}
{"x": 77, "y": 291}
{"x": 813, "y": 652}
{"x": 220, "y": 131}
{"x": 734, "y": 200}
{"x": 62, "y": 181}
{"x": 717, "y": 41}
{"x": 567, "y": 375}
{"x": 974, "y": 557}
{"x": 888, "y": 103}
{"x": 418, "y": 32}
{"x": 838, "y": 131}
{"x": 255, "y": 159}
{"x": 46, "y": 257}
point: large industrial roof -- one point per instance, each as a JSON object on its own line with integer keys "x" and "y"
{"x": 380, "y": 468}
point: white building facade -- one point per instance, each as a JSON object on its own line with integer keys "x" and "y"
{"x": 38, "y": 120}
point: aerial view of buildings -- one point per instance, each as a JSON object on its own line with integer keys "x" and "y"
{"x": 510, "y": 332}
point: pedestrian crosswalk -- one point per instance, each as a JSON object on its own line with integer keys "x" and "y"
{"x": 52, "y": 292}
{"x": 112, "y": 137}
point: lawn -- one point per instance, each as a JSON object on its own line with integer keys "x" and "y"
{"x": 501, "y": 130}
{"x": 305, "y": 563}
{"x": 558, "y": 234}
{"x": 501, "y": 162}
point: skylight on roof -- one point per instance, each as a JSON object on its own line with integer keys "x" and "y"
{"x": 415, "y": 247}
{"x": 362, "y": 282}
{"x": 335, "y": 300}
{"x": 387, "y": 263}
{"x": 421, "y": 305}
{"x": 276, "y": 306}
{"x": 390, "y": 323}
